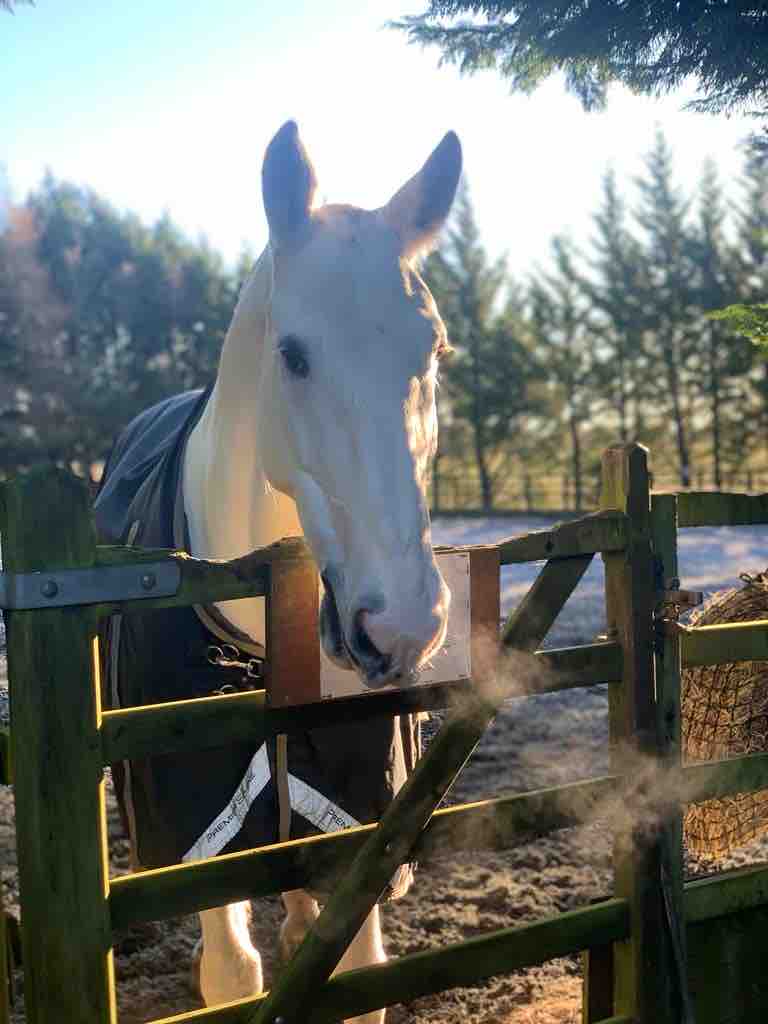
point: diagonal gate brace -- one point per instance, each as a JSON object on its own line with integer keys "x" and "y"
{"x": 290, "y": 1001}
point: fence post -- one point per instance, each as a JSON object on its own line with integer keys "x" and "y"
{"x": 664, "y": 522}
{"x": 642, "y": 977}
{"x": 58, "y": 778}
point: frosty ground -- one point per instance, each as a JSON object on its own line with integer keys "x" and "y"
{"x": 535, "y": 742}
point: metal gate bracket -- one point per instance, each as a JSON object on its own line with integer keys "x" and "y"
{"x": 29, "y": 590}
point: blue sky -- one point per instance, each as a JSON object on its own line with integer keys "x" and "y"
{"x": 168, "y": 106}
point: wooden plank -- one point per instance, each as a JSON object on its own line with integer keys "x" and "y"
{"x": 503, "y": 822}
{"x": 714, "y": 508}
{"x": 569, "y": 667}
{"x": 203, "y": 581}
{"x": 529, "y": 623}
{"x": 498, "y": 824}
{"x": 717, "y": 645}
{"x": 733, "y": 775}
{"x": 597, "y": 983}
{"x": 178, "y": 726}
{"x": 664, "y": 527}
{"x": 728, "y": 893}
{"x": 182, "y": 725}
{"x": 58, "y": 778}
{"x": 292, "y": 669}
{"x": 643, "y": 986}
{"x": 419, "y": 974}
{"x": 727, "y": 968}
{"x": 601, "y": 531}
{"x": 485, "y": 613}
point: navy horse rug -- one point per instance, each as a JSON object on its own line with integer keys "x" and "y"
{"x": 182, "y": 807}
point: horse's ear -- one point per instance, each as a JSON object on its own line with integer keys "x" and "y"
{"x": 420, "y": 208}
{"x": 288, "y": 186}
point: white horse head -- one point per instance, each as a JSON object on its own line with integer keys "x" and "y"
{"x": 342, "y": 338}
{"x": 347, "y": 402}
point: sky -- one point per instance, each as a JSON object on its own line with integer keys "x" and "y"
{"x": 169, "y": 106}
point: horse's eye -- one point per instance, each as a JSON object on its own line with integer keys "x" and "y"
{"x": 294, "y": 357}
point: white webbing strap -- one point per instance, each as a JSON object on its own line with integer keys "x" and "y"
{"x": 227, "y": 824}
{"x": 304, "y": 800}
{"x": 312, "y": 805}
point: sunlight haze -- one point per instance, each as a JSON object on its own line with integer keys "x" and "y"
{"x": 168, "y": 107}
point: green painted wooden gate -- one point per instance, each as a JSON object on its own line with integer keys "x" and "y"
{"x": 61, "y": 741}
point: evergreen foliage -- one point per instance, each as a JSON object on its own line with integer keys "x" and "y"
{"x": 488, "y": 375}
{"x": 561, "y": 320}
{"x": 649, "y": 47}
{"x": 616, "y": 283}
{"x": 101, "y": 315}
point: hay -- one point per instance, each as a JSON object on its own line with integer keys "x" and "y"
{"x": 725, "y": 714}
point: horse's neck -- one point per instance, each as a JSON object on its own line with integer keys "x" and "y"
{"x": 230, "y": 506}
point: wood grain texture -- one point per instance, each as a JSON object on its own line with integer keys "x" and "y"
{"x": 292, "y": 668}
{"x": 643, "y": 976}
{"x": 58, "y": 778}
{"x": 600, "y": 531}
{"x": 668, "y": 668}
{"x": 714, "y": 508}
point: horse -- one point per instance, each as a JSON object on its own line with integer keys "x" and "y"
{"x": 322, "y": 422}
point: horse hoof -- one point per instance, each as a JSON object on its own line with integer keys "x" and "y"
{"x": 194, "y": 969}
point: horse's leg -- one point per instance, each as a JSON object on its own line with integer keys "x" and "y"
{"x": 230, "y": 967}
{"x": 366, "y": 948}
{"x": 301, "y": 912}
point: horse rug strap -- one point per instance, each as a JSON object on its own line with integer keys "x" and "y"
{"x": 223, "y": 799}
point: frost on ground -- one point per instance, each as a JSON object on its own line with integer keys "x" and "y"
{"x": 534, "y": 742}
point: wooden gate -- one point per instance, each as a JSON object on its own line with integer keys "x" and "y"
{"x": 57, "y": 585}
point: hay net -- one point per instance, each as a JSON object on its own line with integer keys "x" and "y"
{"x": 725, "y": 714}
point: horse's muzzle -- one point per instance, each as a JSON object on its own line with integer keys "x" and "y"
{"x": 353, "y": 649}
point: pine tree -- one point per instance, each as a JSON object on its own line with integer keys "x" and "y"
{"x": 649, "y": 47}
{"x": 723, "y": 359}
{"x": 31, "y": 319}
{"x": 752, "y": 225}
{"x": 145, "y": 315}
{"x": 618, "y": 289}
{"x": 663, "y": 215}
{"x": 486, "y": 379}
{"x": 564, "y": 342}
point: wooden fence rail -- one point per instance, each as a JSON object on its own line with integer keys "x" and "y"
{"x": 62, "y": 739}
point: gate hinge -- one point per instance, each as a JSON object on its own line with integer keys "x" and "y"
{"x": 24, "y": 591}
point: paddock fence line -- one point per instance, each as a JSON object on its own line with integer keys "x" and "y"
{"x": 458, "y": 491}
{"x": 650, "y": 948}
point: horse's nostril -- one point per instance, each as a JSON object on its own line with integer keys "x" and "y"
{"x": 365, "y": 647}
{"x": 330, "y": 620}
{"x": 363, "y": 642}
